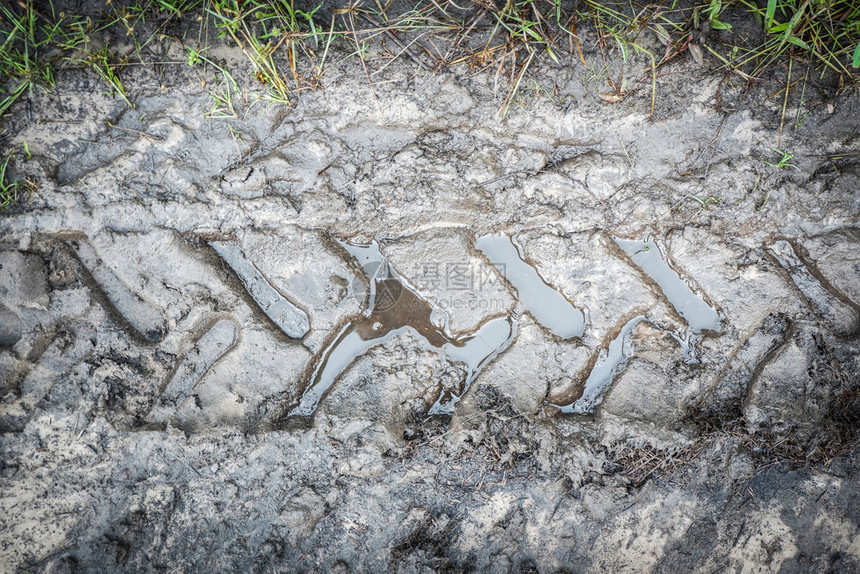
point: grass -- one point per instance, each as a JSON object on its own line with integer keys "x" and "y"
{"x": 23, "y": 61}
{"x": 8, "y": 189}
{"x": 100, "y": 62}
{"x": 260, "y": 30}
{"x": 784, "y": 159}
{"x": 794, "y": 43}
{"x": 824, "y": 32}
{"x": 287, "y": 47}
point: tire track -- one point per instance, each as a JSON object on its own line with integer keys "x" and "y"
{"x": 287, "y": 316}
{"x": 842, "y": 315}
{"x": 209, "y": 348}
{"x": 725, "y": 399}
{"x": 144, "y": 318}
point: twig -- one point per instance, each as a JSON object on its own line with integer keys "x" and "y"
{"x": 138, "y": 132}
{"x": 397, "y": 41}
{"x": 784, "y": 105}
{"x": 507, "y": 103}
{"x": 404, "y": 50}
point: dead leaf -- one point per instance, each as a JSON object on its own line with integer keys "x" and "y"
{"x": 662, "y": 35}
{"x": 696, "y": 52}
{"x": 613, "y": 97}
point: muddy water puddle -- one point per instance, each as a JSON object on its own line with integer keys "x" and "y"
{"x": 604, "y": 371}
{"x": 695, "y": 311}
{"x": 548, "y": 306}
{"x": 395, "y": 307}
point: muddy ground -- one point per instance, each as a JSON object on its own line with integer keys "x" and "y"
{"x": 178, "y": 282}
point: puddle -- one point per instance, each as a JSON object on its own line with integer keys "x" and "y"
{"x": 549, "y": 307}
{"x": 687, "y": 340}
{"x": 348, "y": 346}
{"x": 699, "y": 315}
{"x": 374, "y": 266}
{"x": 476, "y": 351}
{"x": 604, "y": 371}
{"x": 396, "y": 308}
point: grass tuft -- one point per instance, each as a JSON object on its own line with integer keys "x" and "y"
{"x": 8, "y": 189}
{"x": 23, "y": 61}
{"x": 287, "y": 46}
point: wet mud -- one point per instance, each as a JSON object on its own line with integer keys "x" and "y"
{"x": 416, "y": 336}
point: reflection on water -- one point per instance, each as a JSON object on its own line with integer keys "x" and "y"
{"x": 395, "y": 308}
{"x": 476, "y": 351}
{"x": 545, "y": 304}
{"x": 604, "y": 371}
{"x": 698, "y": 314}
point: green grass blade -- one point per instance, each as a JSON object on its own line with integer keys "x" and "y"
{"x": 799, "y": 43}
{"x": 769, "y": 14}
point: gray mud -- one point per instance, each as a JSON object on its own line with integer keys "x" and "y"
{"x": 170, "y": 302}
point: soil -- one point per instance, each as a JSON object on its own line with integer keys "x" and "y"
{"x": 174, "y": 282}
